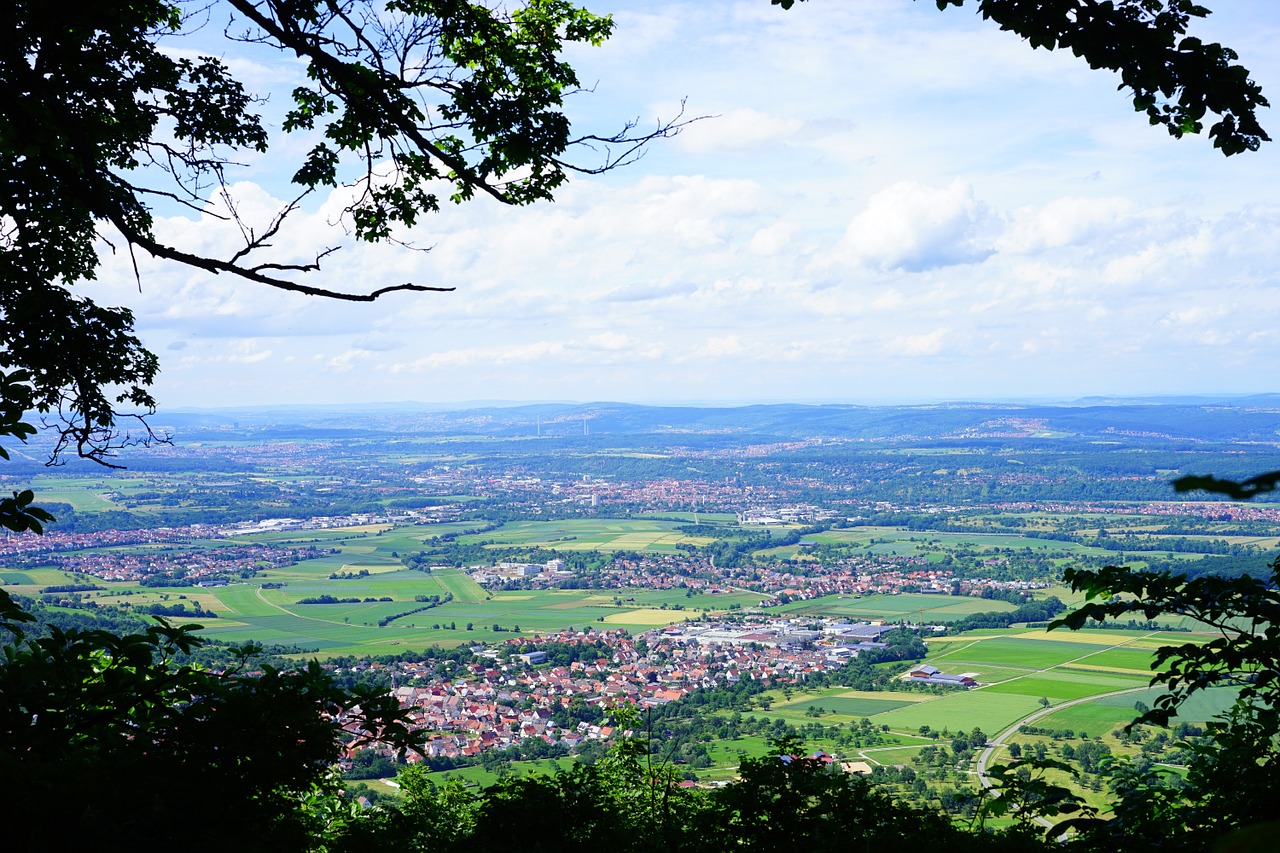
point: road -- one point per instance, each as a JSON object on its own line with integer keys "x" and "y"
{"x": 997, "y": 742}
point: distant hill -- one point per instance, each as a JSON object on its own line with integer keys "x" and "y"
{"x": 1250, "y": 420}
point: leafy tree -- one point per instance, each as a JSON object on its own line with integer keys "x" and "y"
{"x": 405, "y": 101}
{"x": 110, "y": 743}
{"x": 1023, "y": 793}
{"x": 1176, "y": 79}
{"x": 1234, "y": 779}
{"x": 16, "y": 512}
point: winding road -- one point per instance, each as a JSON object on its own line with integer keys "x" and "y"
{"x": 998, "y": 742}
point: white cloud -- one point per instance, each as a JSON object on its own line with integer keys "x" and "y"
{"x": 718, "y": 347}
{"x": 929, "y": 343}
{"x": 915, "y": 227}
{"x": 878, "y": 212}
{"x": 1065, "y": 222}
{"x": 738, "y": 130}
{"x": 774, "y": 239}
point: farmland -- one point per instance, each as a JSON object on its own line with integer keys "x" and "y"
{"x": 386, "y": 544}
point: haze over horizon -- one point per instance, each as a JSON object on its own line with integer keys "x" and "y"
{"x": 462, "y": 405}
{"x": 893, "y": 204}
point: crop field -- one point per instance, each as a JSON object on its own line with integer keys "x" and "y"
{"x": 84, "y": 494}
{"x": 1094, "y": 718}
{"x": 1062, "y": 686}
{"x": 380, "y": 542}
{"x": 963, "y": 711}
{"x": 1017, "y": 672}
{"x": 464, "y": 589}
{"x": 1019, "y": 653}
{"x": 275, "y": 616}
{"x": 591, "y": 535}
{"x": 725, "y": 518}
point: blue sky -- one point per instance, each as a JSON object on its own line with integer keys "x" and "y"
{"x": 891, "y": 204}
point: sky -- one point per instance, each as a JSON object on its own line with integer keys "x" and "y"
{"x": 888, "y": 203}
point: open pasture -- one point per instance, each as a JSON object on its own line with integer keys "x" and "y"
{"x": 477, "y": 776}
{"x": 1111, "y": 712}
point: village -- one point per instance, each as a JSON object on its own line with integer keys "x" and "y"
{"x": 510, "y": 696}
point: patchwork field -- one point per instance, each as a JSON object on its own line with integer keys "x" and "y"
{"x": 1017, "y": 673}
{"x": 277, "y": 617}
{"x": 591, "y": 535}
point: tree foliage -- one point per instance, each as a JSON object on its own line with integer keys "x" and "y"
{"x": 108, "y": 742}
{"x": 1233, "y": 781}
{"x": 1175, "y": 78}
{"x": 101, "y": 121}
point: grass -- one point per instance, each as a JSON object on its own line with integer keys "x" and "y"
{"x": 850, "y": 707}
{"x": 464, "y": 589}
{"x": 1059, "y": 687}
{"x": 275, "y": 616}
{"x": 1092, "y": 718}
{"x": 962, "y": 711}
{"x": 1020, "y": 653}
{"x": 592, "y": 534}
{"x": 479, "y": 777}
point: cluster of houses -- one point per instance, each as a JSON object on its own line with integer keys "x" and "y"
{"x": 200, "y": 566}
{"x": 509, "y": 696}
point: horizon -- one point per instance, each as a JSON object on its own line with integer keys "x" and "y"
{"x": 1092, "y": 400}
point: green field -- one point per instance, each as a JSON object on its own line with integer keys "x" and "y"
{"x": 275, "y": 616}
{"x": 962, "y": 711}
{"x": 1062, "y": 686}
{"x": 591, "y": 535}
{"x": 1017, "y": 672}
{"x": 850, "y": 707}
